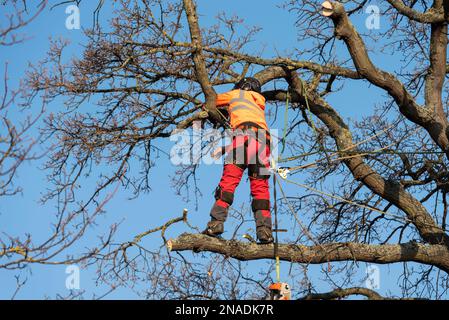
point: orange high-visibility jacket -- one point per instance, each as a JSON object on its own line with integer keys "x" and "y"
{"x": 243, "y": 106}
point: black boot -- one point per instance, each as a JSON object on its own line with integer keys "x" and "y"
{"x": 214, "y": 228}
{"x": 264, "y": 235}
{"x": 263, "y": 227}
{"x": 218, "y": 213}
{"x": 218, "y": 216}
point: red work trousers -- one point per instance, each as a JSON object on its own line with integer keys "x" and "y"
{"x": 245, "y": 152}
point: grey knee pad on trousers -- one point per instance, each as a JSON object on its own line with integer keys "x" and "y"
{"x": 225, "y": 196}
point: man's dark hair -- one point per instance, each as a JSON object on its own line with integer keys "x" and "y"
{"x": 250, "y": 84}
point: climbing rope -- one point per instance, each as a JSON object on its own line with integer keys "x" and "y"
{"x": 295, "y": 215}
{"x": 276, "y": 243}
{"x": 344, "y": 150}
{"x": 359, "y": 153}
{"x": 394, "y": 216}
{"x": 352, "y": 154}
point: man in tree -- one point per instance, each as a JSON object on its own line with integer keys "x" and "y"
{"x": 381, "y": 197}
{"x": 249, "y": 149}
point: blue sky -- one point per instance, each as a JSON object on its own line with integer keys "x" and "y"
{"x": 23, "y": 214}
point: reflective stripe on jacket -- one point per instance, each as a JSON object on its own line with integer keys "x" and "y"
{"x": 244, "y": 106}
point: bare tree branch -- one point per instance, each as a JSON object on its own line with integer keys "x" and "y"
{"x": 424, "y": 116}
{"x": 433, "y": 15}
{"x": 341, "y": 293}
{"x": 427, "y": 254}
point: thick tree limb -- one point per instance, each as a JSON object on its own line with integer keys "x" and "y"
{"x": 436, "y": 73}
{"x": 269, "y": 74}
{"x": 435, "y": 255}
{"x": 423, "y": 116}
{"x": 389, "y": 190}
{"x": 343, "y": 293}
{"x": 426, "y": 117}
{"x": 199, "y": 61}
{"x": 433, "y": 15}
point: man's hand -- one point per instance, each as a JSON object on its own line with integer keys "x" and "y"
{"x": 216, "y": 154}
